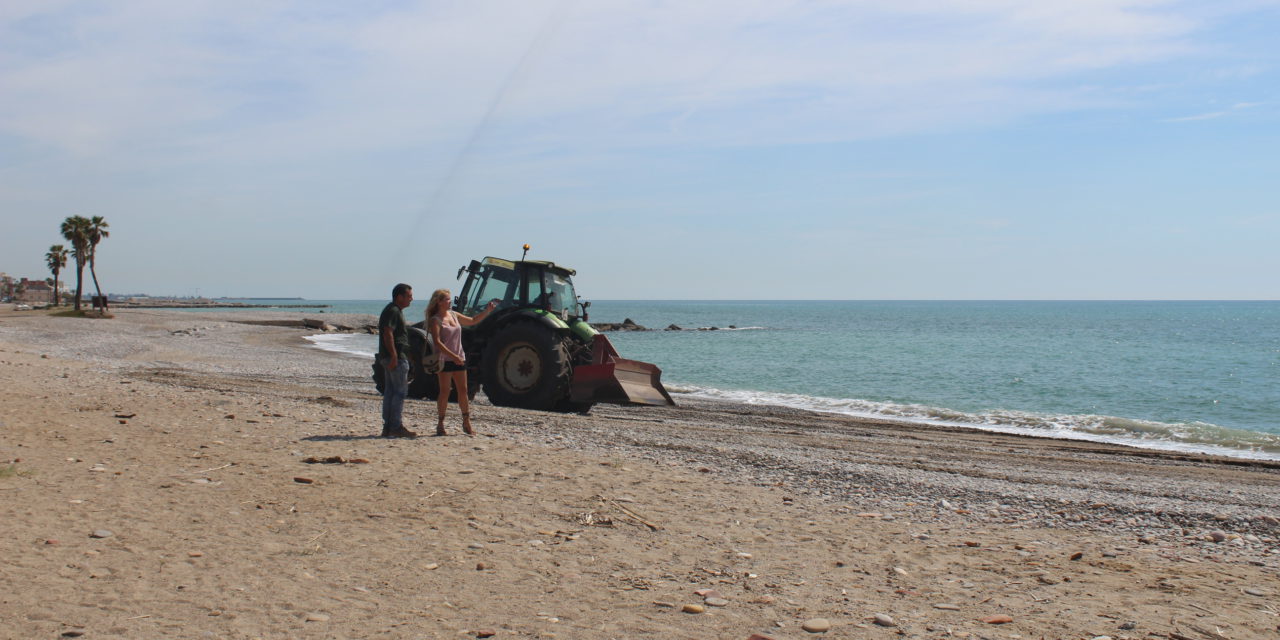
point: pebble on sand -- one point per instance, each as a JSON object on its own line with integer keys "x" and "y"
{"x": 693, "y": 608}
{"x": 816, "y": 625}
{"x": 101, "y": 533}
{"x": 759, "y": 636}
{"x": 301, "y": 480}
{"x": 317, "y": 617}
{"x": 716, "y": 602}
{"x": 999, "y": 618}
{"x": 884, "y": 620}
{"x": 946, "y": 606}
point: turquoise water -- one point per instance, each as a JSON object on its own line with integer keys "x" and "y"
{"x": 1195, "y": 376}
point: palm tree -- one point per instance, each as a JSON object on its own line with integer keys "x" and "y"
{"x": 97, "y": 232}
{"x": 57, "y": 260}
{"x": 76, "y": 230}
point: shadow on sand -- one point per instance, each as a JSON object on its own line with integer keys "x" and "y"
{"x": 342, "y": 438}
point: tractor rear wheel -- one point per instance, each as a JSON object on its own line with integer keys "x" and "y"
{"x": 527, "y": 366}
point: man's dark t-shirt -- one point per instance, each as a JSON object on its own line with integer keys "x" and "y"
{"x": 393, "y": 317}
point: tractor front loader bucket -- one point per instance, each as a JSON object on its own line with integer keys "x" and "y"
{"x": 610, "y": 378}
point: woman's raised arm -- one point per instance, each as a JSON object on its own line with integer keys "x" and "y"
{"x": 468, "y": 321}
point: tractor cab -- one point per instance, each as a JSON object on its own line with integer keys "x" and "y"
{"x": 525, "y": 284}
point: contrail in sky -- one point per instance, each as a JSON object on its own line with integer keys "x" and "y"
{"x": 541, "y": 37}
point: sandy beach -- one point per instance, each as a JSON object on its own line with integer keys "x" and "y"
{"x": 170, "y": 474}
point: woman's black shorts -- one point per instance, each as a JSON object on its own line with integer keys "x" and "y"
{"x": 452, "y": 366}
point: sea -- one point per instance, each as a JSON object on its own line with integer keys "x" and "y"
{"x": 1195, "y": 377}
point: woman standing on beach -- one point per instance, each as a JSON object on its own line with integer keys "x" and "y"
{"x": 445, "y": 326}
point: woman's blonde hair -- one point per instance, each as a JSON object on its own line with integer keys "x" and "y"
{"x": 436, "y": 296}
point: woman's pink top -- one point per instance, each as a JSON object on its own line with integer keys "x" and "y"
{"x": 450, "y": 337}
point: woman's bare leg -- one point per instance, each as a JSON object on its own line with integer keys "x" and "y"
{"x": 464, "y": 402}
{"x": 442, "y": 399}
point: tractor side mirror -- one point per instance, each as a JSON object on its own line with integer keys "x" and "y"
{"x": 474, "y": 267}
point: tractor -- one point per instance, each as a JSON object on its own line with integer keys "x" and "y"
{"x": 535, "y": 350}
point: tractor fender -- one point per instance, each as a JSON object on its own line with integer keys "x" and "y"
{"x": 551, "y": 320}
{"x": 497, "y": 325}
{"x": 579, "y": 329}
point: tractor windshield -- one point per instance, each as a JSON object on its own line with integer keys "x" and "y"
{"x": 494, "y": 282}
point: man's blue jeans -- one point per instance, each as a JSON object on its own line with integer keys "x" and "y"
{"x": 395, "y": 389}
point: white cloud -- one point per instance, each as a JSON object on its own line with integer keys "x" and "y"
{"x": 1240, "y": 106}
{"x": 214, "y": 77}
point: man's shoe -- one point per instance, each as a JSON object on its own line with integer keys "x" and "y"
{"x": 403, "y": 433}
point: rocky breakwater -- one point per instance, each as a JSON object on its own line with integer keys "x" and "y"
{"x": 630, "y": 325}
{"x": 320, "y": 325}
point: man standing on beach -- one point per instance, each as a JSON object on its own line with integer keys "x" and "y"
{"x": 393, "y": 355}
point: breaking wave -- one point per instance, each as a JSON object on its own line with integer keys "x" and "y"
{"x": 1192, "y": 437}
{"x": 353, "y": 344}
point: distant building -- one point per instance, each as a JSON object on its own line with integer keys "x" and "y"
{"x": 37, "y": 291}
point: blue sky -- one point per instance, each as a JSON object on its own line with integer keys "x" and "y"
{"x": 972, "y": 149}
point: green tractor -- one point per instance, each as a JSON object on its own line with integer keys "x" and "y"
{"x": 536, "y": 350}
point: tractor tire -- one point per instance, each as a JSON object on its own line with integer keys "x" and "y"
{"x": 527, "y": 366}
{"x": 422, "y": 385}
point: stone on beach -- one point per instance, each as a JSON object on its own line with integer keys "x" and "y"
{"x": 816, "y": 625}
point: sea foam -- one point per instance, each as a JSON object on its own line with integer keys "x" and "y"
{"x": 1192, "y": 437}
{"x": 1178, "y": 437}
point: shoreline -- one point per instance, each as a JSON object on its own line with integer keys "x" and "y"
{"x": 816, "y": 404}
{"x": 792, "y": 515}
